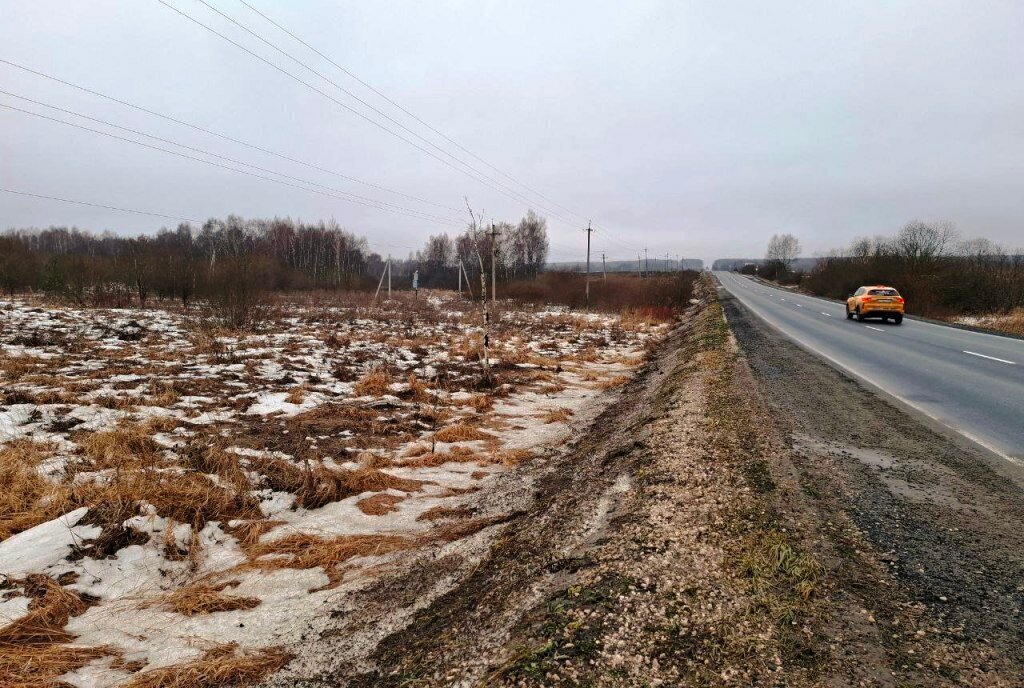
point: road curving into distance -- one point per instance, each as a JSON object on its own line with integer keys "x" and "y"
{"x": 968, "y": 381}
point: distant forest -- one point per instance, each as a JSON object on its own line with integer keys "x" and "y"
{"x": 255, "y": 255}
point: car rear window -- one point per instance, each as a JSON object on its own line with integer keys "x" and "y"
{"x": 883, "y": 292}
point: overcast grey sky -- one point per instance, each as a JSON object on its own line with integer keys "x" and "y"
{"x": 693, "y": 128}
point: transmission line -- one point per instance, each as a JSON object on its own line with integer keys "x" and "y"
{"x": 384, "y": 205}
{"x": 410, "y": 114}
{"x": 219, "y": 135}
{"x": 99, "y": 205}
{"x": 510, "y": 193}
{"x": 371, "y": 204}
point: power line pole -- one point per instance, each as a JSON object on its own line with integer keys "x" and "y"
{"x": 647, "y": 264}
{"x": 494, "y": 264}
{"x": 589, "y": 231}
{"x": 639, "y": 265}
{"x": 389, "y": 277}
{"x": 604, "y": 267}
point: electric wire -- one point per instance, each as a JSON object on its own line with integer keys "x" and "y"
{"x": 99, "y": 205}
{"x": 413, "y": 214}
{"x": 410, "y": 114}
{"x": 222, "y": 136}
{"x": 220, "y": 157}
{"x": 511, "y": 194}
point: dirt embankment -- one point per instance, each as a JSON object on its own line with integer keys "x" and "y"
{"x": 682, "y": 539}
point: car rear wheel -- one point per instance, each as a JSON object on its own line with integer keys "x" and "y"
{"x": 898, "y": 319}
{"x": 849, "y": 313}
{"x": 860, "y": 318}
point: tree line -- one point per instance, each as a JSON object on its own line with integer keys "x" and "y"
{"x": 258, "y": 255}
{"x": 938, "y": 273}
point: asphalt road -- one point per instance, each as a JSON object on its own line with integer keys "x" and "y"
{"x": 968, "y": 381}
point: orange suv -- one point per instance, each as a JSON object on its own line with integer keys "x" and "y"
{"x": 875, "y": 302}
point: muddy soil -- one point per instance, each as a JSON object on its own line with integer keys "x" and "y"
{"x": 944, "y": 515}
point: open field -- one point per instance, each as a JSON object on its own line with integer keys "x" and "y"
{"x": 181, "y": 500}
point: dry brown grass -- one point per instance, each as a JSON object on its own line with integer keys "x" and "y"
{"x": 417, "y": 389}
{"x": 374, "y": 383}
{"x": 380, "y": 504}
{"x": 614, "y": 382}
{"x": 127, "y": 446}
{"x": 48, "y": 612}
{"x": 317, "y": 485}
{"x": 162, "y": 393}
{"x": 434, "y": 459}
{"x": 202, "y": 598}
{"x": 440, "y": 513}
{"x": 305, "y": 551}
{"x": 39, "y": 666}
{"x": 16, "y": 367}
{"x": 190, "y": 498}
{"x": 647, "y": 316}
{"x": 297, "y": 395}
{"x": 511, "y": 457}
{"x": 250, "y": 532}
{"x": 478, "y": 402}
{"x": 221, "y": 666}
{"x": 1012, "y": 322}
{"x": 461, "y": 432}
{"x": 27, "y": 498}
{"x": 558, "y": 415}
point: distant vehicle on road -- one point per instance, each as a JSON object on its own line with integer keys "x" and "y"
{"x": 875, "y": 302}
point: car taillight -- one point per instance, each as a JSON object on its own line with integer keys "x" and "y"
{"x": 899, "y": 299}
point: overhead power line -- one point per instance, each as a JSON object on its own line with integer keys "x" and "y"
{"x": 410, "y": 114}
{"x": 407, "y": 212}
{"x": 222, "y": 136}
{"x": 382, "y": 204}
{"x": 479, "y": 177}
{"x": 99, "y": 205}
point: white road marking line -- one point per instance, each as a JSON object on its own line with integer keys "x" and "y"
{"x": 876, "y": 329}
{"x": 826, "y": 314}
{"x": 991, "y": 358}
{"x": 799, "y": 305}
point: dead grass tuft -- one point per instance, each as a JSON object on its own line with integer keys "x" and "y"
{"x": 434, "y": 459}
{"x": 375, "y": 383}
{"x": 48, "y": 612}
{"x": 297, "y": 395}
{"x": 558, "y": 415}
{"x": 27, "y": 498}
{"x": 202, "y": 598}
{"x": 305, "y": 551}
{"x": 316, "y": 486}
{"x": 122, "y": 447}
{"x": 461, "y": 432}
{"x": 224, "y": 665}
{"x": 40, "y": 666}
{"x": 380, "y": 504}
{"x": 440, "y": 513}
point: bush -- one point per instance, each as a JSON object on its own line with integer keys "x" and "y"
{"x": 618, "y": 293}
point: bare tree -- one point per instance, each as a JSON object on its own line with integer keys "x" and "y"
{"x": 924, "y": 241}
{"x": 783, "y": 249}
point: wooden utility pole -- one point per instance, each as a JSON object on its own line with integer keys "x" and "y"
{"x": 647, "y": 265}
{"x": 639, "y": 265}
{"x": 589, "y": 231}
{"x": 389, "y": 277}
{"x": 460, "y": 277}
{"x": 494, "y": 264}
{"x": 604, "y": 267}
